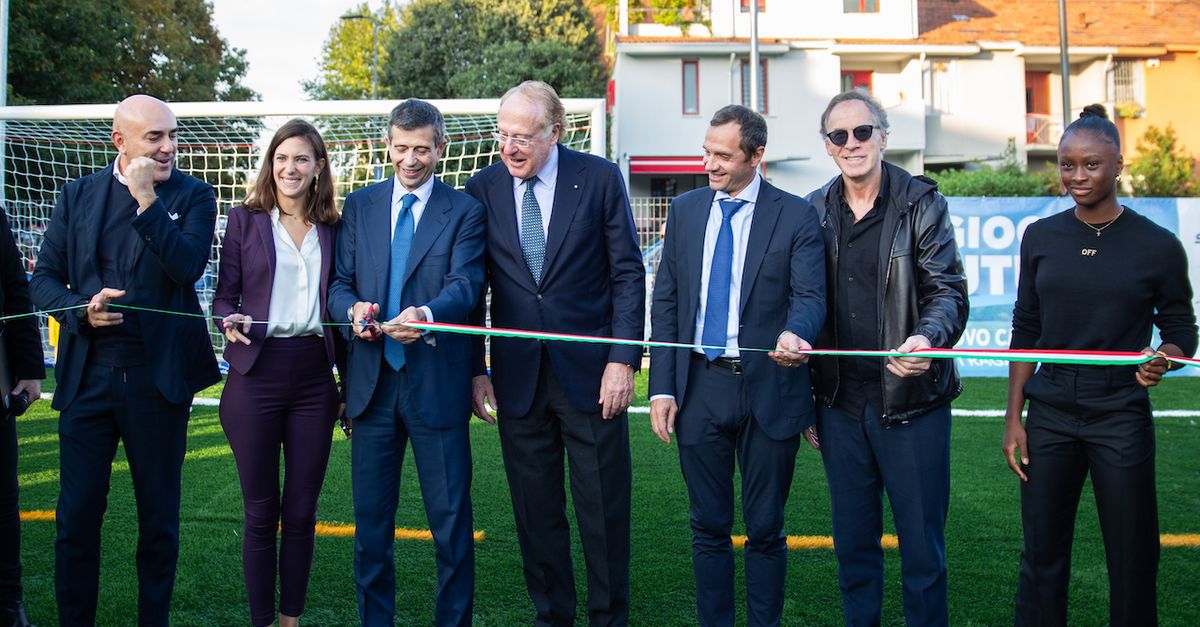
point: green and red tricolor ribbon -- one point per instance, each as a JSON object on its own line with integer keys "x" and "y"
{"x": 1047, "y": 356}
{"x": 1093, "y": 358}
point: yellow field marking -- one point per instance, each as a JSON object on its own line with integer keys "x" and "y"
{"x": 347, "y": 530}
{"x": 889, "y": 541}
{"x": 801, "y": 543}
{"x": 794, "y": 543}
{"x": 323, "y": 529}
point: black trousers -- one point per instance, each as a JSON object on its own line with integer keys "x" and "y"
{"x": 118, "y": 404}
{"x": 10, "y": 521}
{"x": 1088, "y": 419}
{"x": 714, "y": 429}
{"x": 597, "y": 451}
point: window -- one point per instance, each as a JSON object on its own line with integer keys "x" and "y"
{"x": 691, "y": 87}
{"x": 855, "y": 79}
{"x": 860, "y": 6}
{"x": 762, "y": 6}
{"x": 1037, "y": 92}
{"x": 1125, "y": 81}
{"x": 762, "y": 85}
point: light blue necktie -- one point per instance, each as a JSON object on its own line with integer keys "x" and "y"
{"x": 720, "y": 278}
{"x": 393, "y": 351}
{"x": 533, "y": 238}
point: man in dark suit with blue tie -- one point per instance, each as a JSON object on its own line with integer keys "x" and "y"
{"x": 562, "y": 256}
{"x": 410, "y": 249}
{"x": 742, "y": 267}
{"x": 136, "y": 233}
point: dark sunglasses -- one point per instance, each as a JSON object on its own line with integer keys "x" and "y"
{"x": 861, "y": 133}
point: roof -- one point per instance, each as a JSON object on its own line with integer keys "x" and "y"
{"x": 1035, "y": 22}
{"x": 1091, "y": 23}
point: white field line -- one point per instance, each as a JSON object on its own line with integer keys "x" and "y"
{"x": 968, "y": 413}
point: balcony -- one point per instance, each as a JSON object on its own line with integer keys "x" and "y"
{"x": 1042, "y": 130}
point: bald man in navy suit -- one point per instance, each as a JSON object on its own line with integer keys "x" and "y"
{"x": 139, "y": 232}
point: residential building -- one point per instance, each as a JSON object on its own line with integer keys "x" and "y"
{"x": 959, "y": 79}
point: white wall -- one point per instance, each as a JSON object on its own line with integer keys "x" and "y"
{"x": 648, "y": 118}
{"x": 816, "y": 19}
{"x": 986, "y": 107}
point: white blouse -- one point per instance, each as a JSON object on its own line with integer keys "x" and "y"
{"x": 295, "y": 308}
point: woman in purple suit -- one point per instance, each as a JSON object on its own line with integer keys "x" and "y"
{"x": 276, "y": 261}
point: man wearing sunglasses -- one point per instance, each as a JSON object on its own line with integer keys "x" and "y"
{"x": 895, "y": 282}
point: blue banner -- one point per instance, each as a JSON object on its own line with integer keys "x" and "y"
{"x": 989, "y": 233}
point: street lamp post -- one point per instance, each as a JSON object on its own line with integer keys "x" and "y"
{"x": 374, "y": 48}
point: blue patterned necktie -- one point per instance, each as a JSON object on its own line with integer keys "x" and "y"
{"x": 533, "y": 238}
{"x": 720, "y": 278}
{"x": 393, "y": 351}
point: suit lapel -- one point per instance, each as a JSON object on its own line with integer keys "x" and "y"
{"x": 567, "y": 192}
{"x": 378, "y": 233}
{"x": 433, "y": 221}
{"x": 325, "y": 236}
{"x": 262, "y": 226}
{"x": 502, "y": 216}
{"x": 97, "y": 208}
{"x": 692, "y": 240}
{"x": 762, "y": 225}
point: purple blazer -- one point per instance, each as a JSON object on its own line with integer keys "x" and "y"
{"x": 246, "y": 275}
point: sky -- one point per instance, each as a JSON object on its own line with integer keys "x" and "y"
{"x": 282, "y": 39}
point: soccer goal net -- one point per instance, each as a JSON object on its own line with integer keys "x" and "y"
{"x": 45, "y": 147}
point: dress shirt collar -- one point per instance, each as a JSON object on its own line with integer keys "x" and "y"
{"x": 748, "y": 194}
{"x": 117, "y": 172}
{"x": 547, "y": 176}
{"x": 422, "y": 192}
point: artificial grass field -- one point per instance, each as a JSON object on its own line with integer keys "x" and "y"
{"x": 983, "y": 535}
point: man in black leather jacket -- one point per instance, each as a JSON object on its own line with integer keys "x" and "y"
{"x": 895, "y": 281}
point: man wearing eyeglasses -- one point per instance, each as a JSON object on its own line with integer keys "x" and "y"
{"x": 562, "y": 256}
{"x": 895, "y": 282}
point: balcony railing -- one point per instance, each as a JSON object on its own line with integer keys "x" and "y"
{"x": 1042, "y": 129}
{"x": 650, "y": 217}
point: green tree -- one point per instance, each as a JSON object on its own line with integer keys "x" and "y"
{"x": 1162, "y": 168}
{"x": 439, "y": 39}
{"x": 681, "y": 13}
{"x": 90, "y": 51}
{"x": 347, "y": 61}
{"x": 570, "y": 70}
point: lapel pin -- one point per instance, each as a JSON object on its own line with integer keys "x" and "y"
{"x": 576, "y": 186}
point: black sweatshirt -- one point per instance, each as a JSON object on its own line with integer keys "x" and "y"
{"x": 1078, "y": 291}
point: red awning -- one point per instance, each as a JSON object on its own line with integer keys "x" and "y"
{"x": 666, "y": 165}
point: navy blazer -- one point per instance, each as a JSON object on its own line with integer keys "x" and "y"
{"x": 593, "y": 282}
{"x": 444, "y": 272}
{"x": 783, "y": 289}
{"x": 175, "y": 236}
{"x": 21, "y": 337}
{"x": 247, "y": 274}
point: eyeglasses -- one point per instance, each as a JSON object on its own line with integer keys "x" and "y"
{"x": 861, "y": 133}
{"x": 519, "y": 142}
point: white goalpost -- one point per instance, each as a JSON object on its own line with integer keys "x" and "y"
{"x": 45, "y": 147}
